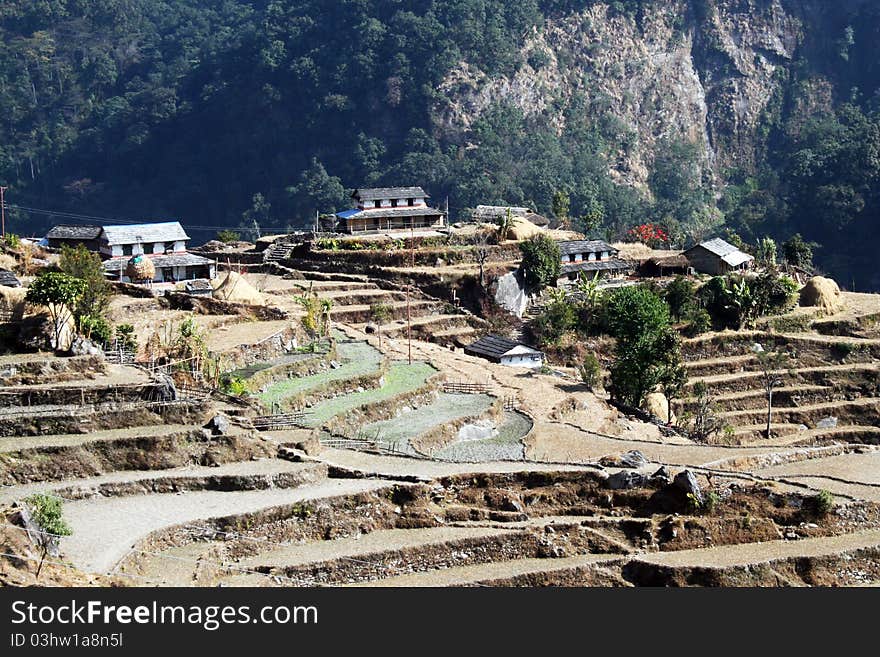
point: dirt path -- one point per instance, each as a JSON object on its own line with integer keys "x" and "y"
{"x": 105, "y": 529}
{"x": 17, "y": 443}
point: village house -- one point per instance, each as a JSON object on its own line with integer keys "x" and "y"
{"x": 389, "y": 208}
{"x": 67, "y": 235}
{"x": 592, "y": 257}
{"x": 165, "y": 245}
{"x": 493, "y": 213}
{"x": 717, "y": 257}
{"x": 500, "y": 350}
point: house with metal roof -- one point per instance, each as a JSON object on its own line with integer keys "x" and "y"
{"x": 66, "y": 234}
{"x": 592, "y": 257}
{"x": 496, "y": 349}
{"x": 389, "y": 208}
{"x": 163, "y": 242}
{"x": 717, "y": 257}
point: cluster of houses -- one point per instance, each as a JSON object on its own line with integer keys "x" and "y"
{"x": 389, "y": 209}
{"x": 165, "y": 244}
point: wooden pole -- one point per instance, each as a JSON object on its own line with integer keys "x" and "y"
{"x": 3, "y": 210}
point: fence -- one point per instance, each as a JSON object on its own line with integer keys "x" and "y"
{"x": 465, "y": 388}
{"x": 278, "y": 421}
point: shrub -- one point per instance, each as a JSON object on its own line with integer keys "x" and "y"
{"x": 233, "y": 385}
{"x": 227, "y": 236}
{"x": 12, "y": 241}
{"x": 96, "y": 329}
{"x": 590, "y": 371}
{"x": 823, "y": 503}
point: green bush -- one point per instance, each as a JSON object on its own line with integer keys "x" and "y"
{"x": 590, "y": 371}
{"x": 227, "y": 236}
{"x": 96, "y": 329}
{"x": 823, "y": 503}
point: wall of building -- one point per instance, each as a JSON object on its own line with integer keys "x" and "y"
{"x": 526, "y": 360}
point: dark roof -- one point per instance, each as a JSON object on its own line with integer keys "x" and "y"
{"x": 68, "y": 232}
{"x": 570, "y": 247}
{"x": 385, "y": 213}
{"x": 174, "y": 260}
{"x": 537, "y": 219}
{"x": 8, "y": 279}
{"x": 381, "y": 193}
{"x": 494, "y": 346}
{"x": 614, "y": 264}
{"x": 167, "y": 231}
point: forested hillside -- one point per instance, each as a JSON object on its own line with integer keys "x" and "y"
{"x": 758, "y": 113}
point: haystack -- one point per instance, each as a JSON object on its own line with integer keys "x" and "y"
{"x": 235, "y": 288}
{"x": 821, "y": 292}
{"x": 8, "y": 262}
{"x": 12, "y": 302}
{"x": 522, "y": 229}
{"x": 139, "y": 269}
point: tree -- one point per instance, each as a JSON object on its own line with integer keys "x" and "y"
{"x": 541, "y": 261}
{"x": 381, "y": 313}
{"x": 705, "y": 423}
{"x": 46, "y": 513}
{"x": 798, "y": 252}
{"x": 647, "y": 351}
{"x": 680, "y": 296}
{"x": 86, "y": 265}
{"x": 59, "y": 292}
{"x": 561, "y": 206}
{"x": 765, "y": 252}
{"x": 770, "y": 363}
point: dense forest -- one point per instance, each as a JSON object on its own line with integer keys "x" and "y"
{"x": 232, "y": 113}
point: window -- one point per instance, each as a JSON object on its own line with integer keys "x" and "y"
{"x": 377, "y": 204}
{"x": 394, "y": 203}
{"x": 410, "y": 202}
{"x": 126, "y": 249}
{"x": 148, "y": 248}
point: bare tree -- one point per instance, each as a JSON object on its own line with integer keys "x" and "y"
{"x": 770, "y": 363}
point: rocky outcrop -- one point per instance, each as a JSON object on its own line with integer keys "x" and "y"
{"x": 703, "y": 71}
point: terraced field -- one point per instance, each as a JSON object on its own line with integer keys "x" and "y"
{"x": 356, "y": 359}
{"x": 401, "y": 378}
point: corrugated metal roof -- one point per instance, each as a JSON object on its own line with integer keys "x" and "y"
{"x": 175, "y": 260}
{"x": 717, "y": 246}
{"x": 68, "y": 232}
{"x": 387, "y": 193}
{"x": 168, "y": 231}
{"x": 569, "y": 247}
{"x": 737, "y": 258}
{"x": 494, "y": 346}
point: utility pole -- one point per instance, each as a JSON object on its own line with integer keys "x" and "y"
{"x": 412, "y": 251}
{"x": 3, "y": 210}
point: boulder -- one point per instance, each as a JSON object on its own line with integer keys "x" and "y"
{"x": 660, "y": 478}
{"x": 165, "y": 387}
{"x": 633, "y": 459}
{"x": 311, "y": 446}
{"x": 686, "y": 482}
{"x": 827, "y": 423}
{"x": 84, "y": 347}
{"x": 657, "y": 405}
{"x": 511, "y": 294}
{"x": 626, "y": 479}
{"x": 219, "y": 425}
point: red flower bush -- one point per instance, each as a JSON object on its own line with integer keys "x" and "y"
{"x": 650, "y": 234}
